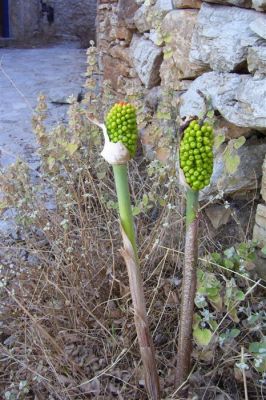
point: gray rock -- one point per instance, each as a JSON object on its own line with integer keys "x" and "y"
{"x": 222, "y": 37}
{"x": 257, "y": 60}
{"x": 240, "y": 99}
{"x": 259, "y": 232}
{"x": 141, "y": 20}
{"x": 259, "y": 27}
{"x": 259, "y": 5}
{"x": 178, "y": 26}
{"x": 153, "y": 97}
{"x": 246, "y": 177}
{"x": 218, "y": 215}
{"x": 147, "y": 58}
{"x": 164, "y": 5}
{"x": 237, "y": 3}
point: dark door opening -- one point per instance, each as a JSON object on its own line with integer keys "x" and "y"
{"x": 4, "y": 19}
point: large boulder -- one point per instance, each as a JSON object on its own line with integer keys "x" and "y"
{"x": 222, "y": 37}
{"x": 246, "y": 177}
{"x": 240, "y": 99}
{"x": 147, "y": 58}
{"x": 177, "y": 27}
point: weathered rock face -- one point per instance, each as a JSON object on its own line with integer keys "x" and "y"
{"x": 246, "y": 177}
{"x": 113, "y": 69}
{"x": 240, "y": 99}
{"x": 126, "y": 11}
{"x": 259, "y": 232}
{"x": 259, "y": 5}
{"x": 222, "y": 37}
{"x": 147, "y": 58}
{"x": 259, "y": 27}
{"x": 77, "y": 19}
{"x": 187, "y": 3}
{"x": 141, "y": 19}
{"x": 257, "y": 60}
{"x": 237, "y": 3}
{"x": 178, "y": 26}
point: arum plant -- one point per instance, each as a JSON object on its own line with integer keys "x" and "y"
{"x": 120, "y": 146}
{"x": 196, "y": 166}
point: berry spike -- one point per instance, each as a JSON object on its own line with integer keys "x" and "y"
{"x": 196, "y": 154}
{"x": 122, "y": 126}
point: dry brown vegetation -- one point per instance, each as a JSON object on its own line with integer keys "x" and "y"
{"x": 67, "y": 329}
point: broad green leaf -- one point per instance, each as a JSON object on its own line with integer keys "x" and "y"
{"x": 239, "y": 142}
{"x": 217, "y": 302}
{"x": 210, "y": 114}
{"x": 202, "y": 336}
{"x": 234, "y": 333}
{"x": 145, "y": 200}
{"x": 232, "y": 162}
{"x": 71, "y": 148}
{"x": 218, "y": 140}
{"x": 239, "y": 295}
{"x": 257, "y": 347}
{"x": 228, "y": 264}
{"x": 136, "y": 211}
{"x": 51, "y": 162}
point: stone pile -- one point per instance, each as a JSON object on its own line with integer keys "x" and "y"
{"x": 217, "y": 47}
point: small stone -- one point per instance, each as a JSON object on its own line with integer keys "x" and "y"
{"x": 187, "y": 3}
{"x": 257, "y": 60}
{"x": 113, "y": 68}
{"x": 218, "y": 215}
{"x": 147, "y": 58}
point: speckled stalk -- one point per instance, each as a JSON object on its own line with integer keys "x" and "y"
{"x": 188, "y": 288}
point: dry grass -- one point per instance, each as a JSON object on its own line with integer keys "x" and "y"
{"x": 66, "y": 329}
{"x": 67, "y": 326}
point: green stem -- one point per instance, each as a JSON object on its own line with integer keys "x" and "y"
{"x": 189, "y": 285}
{"x": 136, "y": 283}
{"x": 123, "y": 197}
{"x": 192, "y": 198}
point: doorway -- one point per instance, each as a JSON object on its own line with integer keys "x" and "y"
{"x": 4, "y": 19}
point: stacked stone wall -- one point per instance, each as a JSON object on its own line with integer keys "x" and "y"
{"x": 217, "y": 47}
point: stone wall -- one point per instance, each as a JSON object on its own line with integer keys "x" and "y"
{"x": 217, "y": 47}
{"x": 69, "y": 19}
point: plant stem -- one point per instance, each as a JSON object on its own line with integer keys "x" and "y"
{"x": 135, "y": 282}
{"x": 123, "y": 197}
{"x": 188, "y": 288}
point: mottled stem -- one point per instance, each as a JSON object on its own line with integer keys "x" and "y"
{"x": 188, "y": 288}
{"x": 136, "y": 283}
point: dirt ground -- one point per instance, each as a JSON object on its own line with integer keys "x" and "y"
{"x": 56, "y": 70}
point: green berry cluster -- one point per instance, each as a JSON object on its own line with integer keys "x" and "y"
{"x": 122, "y": 126}
{"x": 196, "y": 154}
